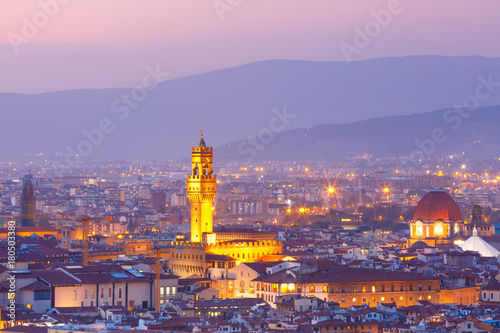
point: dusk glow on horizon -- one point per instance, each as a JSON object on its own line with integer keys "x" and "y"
{"x": 107, "y": 44}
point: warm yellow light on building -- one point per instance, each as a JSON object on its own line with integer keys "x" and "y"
{"x": 291, "y": 287}
{"x": 284, "y": 288}
{"x": 288, "y": 210}
{"x": 386, "y": 190}
{"x": 301, "y": 210}
{"x": 306, "y": 169}
{"x": 438, "y": 229}
{"x": 331, "y": 190}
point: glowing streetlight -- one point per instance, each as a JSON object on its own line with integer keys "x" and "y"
{"x": 386, "y": 191}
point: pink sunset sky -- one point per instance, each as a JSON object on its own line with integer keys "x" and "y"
{"x": 109, "y": 43}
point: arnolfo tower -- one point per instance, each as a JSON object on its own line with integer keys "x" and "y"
{"x": 201, "y": 190}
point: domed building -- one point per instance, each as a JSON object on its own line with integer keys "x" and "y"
{"x": 437, "y": 219}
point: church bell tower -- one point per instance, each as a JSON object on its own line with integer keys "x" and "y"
{"x": 201, "y": 190}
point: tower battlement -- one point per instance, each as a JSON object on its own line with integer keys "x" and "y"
{"x": 185, "y": 245}
{"x": 202, "y": 177}
{"x": 202, "y": 149}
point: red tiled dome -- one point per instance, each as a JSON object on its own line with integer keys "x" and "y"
{"x": 436, "y": 205}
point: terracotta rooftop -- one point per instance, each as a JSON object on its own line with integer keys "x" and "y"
{"x": 436, "y": 205}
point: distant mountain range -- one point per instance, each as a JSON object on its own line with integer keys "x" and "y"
{"x": 432, "y": 133}
{"x": 241, "y": 102}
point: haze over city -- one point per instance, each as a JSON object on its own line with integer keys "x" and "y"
{"x": 278, "y": 166}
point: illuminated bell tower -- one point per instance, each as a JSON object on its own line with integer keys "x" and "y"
{"x": 201, "y": 190}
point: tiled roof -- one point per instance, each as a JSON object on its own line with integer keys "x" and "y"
{"x": 494, "y": 285}
{"x": 36, "y": 286}
{"x": 346, "y": 274}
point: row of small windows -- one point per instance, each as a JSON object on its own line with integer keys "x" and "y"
{"x": 167, "y": 291}
{"x": 382, "y": 299}
{"x": 343, "y": 289}
{"x": 248, "y": 256}
{"x": 271, "y": 298}
{"x": 204, "y": 188}
{"x": 187, "y": 256}
{"x": 86, "y": 293}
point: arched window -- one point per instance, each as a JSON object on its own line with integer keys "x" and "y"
{"x": 438, "y": 229}
{"x": 419, "y": 228}
{"x": 312, "y": 289}
{"x": 325, "y": 288}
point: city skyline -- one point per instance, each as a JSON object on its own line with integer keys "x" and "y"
{"x": 345, "y": 178}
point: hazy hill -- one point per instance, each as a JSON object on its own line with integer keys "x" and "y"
{"x": 395, "y": 136}
{"x": 236, "y": 103}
